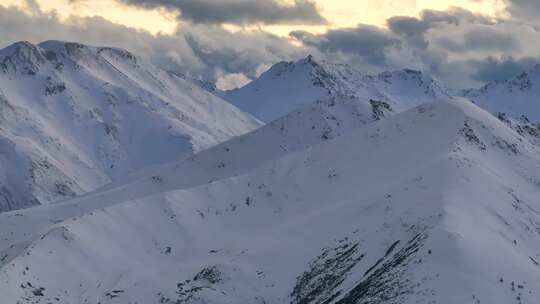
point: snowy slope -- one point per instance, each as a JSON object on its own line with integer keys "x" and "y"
{"x": 514, "y": 97}
{"x": 318, "y": 122}
{"x": 76, "y": 117}
{"x": 240, "y": 155}
{"x": 434, "y": 205}
{"x": 289, "y": 86}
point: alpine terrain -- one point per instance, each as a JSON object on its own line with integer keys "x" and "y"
{"x": 123, "y": 183}
{"x": 289, "y": 86}
{"x": 74, "y": 118}
{"x": 433, "y": 205}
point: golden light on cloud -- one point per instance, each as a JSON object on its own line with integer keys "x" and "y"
{"x": 350, "y": 13}
{"x": 153, "y": 21}
{"x": 340, "y": 13}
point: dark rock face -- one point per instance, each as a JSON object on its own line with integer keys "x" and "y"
{"x": 379, "y": 109}
{"x": 386, "y": 281}
{"x": 523, "y": 126}
{"x": 470, "y": 136}
{"x": 189, "y": 291}
{"x": 327, "y": 272}
{"x": 383, "y": 282}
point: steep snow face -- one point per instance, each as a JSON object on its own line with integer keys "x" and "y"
{"x": 515, "y": 97}
{"x": 289, "y": 86}
{"x": 76, "y": 117}
{"x": 405, "y": 210}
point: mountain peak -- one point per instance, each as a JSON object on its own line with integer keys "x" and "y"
{"x": 23, "y": 56}
{"x": 284, "y": 67}
{"x": 515, "y": 96}
{"x": 79, "y": 116}
{"x": 77, "y": 50}
{"x": 308, "y": 60}
{"x": 287, "y": 86}
{"x": 73, "y": 50}
{"x": 523, "y": 81}
{"x": 535, "y": 69}
{"x": 404, "y": 73}
{"x": 54, "y": 46}
{"x": 118, "y": 52}
{"x": 16, "y": 47}
{"x": 27, "y": 58}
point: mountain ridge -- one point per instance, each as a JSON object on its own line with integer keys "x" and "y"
{"x": 371, "y": 189}
{"x": 412, "y": 228}
{"x": 288, "y": 86}
{"x": 95, "y": 114}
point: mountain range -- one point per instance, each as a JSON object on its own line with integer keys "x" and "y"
{"x": 388, "y": 188}
{"x": 289, "y": 86}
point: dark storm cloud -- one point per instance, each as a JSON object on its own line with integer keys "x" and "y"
{"x": 238, "y": 11}
{"x": 484, "y": 38}
{"x": 460, "y": 48}
{"x": 368, "y": 42}
{"x": 240, "y": 52}
{"x": 528, "y": 10}
{"x": 457, "y": 46}
{"x": 373, "y": 43}
{"x": 410, "y": 28}
{"x": 208, "y": 52}
{"x": 414, "y": 30}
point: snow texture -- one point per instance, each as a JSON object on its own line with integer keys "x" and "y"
{"x": 74, "y": 118}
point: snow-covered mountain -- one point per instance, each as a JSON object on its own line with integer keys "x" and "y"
{"x": 515, "y": 97}
{"x": 434, "y": 205}
{"x": 187, "y": 199}
{"x": 289, "y": 86}
{"x": 291, "y": 134}
{"x": 514, "y": 101}
{"x": 74, "y": 118}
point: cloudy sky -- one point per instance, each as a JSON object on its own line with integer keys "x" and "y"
{"x": 462, "y": 42}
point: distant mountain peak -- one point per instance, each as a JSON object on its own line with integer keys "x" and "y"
{"x": 405, "y": 74}
{"x": 523, "y": 81}
{"x": 26, "y": 58}
{"x": 290, "y": 85}
{"x": 22, "y": 56}
{"x": 18, "y": 47}
{"x": 57, "y": 46}
{"x": 281, "y": 68}
{"x": 310, "y": 60}
{"x": 77, "y": 50}
{"x": 516, "y": 96}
